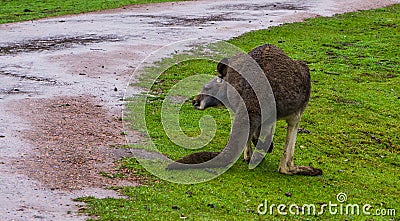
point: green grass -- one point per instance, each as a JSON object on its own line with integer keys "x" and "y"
{"x": 353, "y": 117}
{"x": 23, "y": 10}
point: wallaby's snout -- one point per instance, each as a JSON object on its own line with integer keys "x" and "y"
{"x": 196, "y": 102}
{"x": 210, "y": 95}
{"x": 202, "y": 101}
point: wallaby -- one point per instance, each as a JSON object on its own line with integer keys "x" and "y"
{"x": 291, "y": 84}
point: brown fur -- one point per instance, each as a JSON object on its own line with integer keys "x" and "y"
{"x": 291, "y": 84}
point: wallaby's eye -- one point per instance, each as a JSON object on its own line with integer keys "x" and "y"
{"x": 219, "y": 80}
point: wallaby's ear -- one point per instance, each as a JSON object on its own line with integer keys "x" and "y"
{"x": 221, "y": 67}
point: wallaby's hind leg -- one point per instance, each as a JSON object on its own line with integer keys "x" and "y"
{"x": 287, "y": 166}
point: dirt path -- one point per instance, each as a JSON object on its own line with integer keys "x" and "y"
{"x": 62, "y": 82}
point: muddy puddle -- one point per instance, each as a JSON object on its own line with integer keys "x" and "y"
{"x": 55, "y": 43}
{"x": 275, "y": 6}
{"x": 188, "y": 21}
{"x": 26, "y": 77}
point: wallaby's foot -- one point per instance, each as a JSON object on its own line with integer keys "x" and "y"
{"x": 301, "y": 170}
{"x": 248, "y": 152}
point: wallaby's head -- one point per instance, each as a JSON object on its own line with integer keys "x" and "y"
{"x": 213, "y": 93}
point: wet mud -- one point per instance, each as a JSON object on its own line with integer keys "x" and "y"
{"x": 54, "y": 43}
{"x": 295, "y": 6}
{"x": 26, "y": 77}
{"x": 165, "y": 21}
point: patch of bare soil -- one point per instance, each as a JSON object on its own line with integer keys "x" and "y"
{"x": 75, "y": 140}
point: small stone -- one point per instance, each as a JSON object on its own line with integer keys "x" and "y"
{"x": 211, "y": 205}
{"x": 302, "y": 130}
{"x": 288, "y": 194}
{"x": 340, "y": 171}
{"x": 115, "y": 89}
{"x": 175, "y": 207}
{"x": 189, "y": 193}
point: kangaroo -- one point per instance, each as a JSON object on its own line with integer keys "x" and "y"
{"x": 291, "y": 84}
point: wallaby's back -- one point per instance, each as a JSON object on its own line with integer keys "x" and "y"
{"x": 289, "y": 79}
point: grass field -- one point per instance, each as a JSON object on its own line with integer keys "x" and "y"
{"x": 23, "y": 10}
{"x": 353, "y": 118}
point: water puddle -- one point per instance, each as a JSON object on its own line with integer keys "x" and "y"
{"x": 161, "y": 20}
{"x": 267, "y": 6}
{"x": 55, "y": 43}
